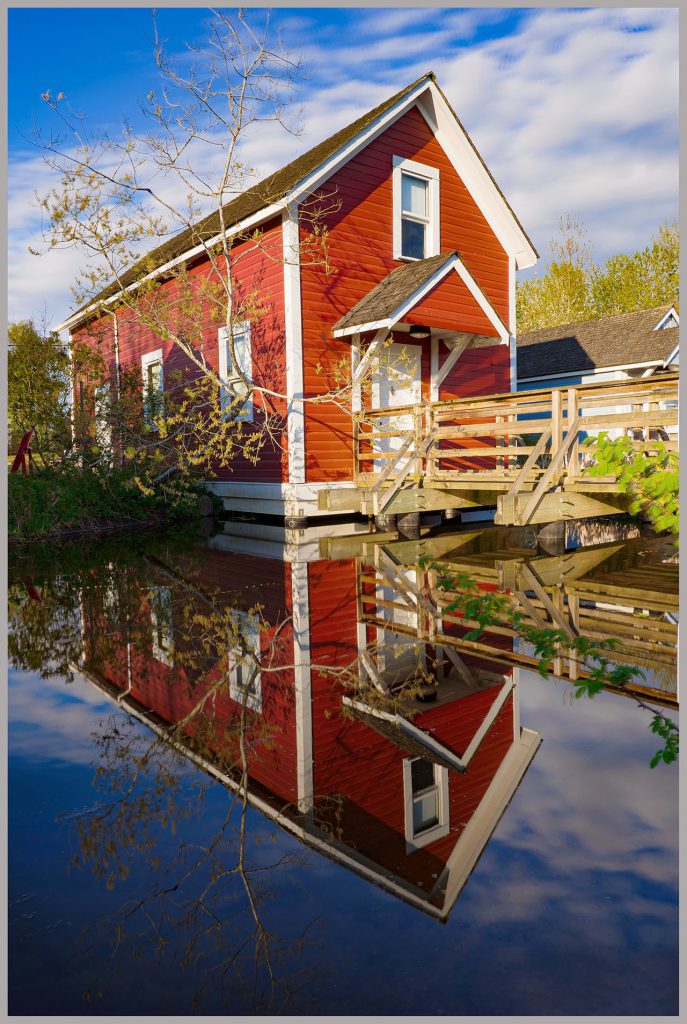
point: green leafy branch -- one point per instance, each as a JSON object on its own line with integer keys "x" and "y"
{"x": 489, "y": 609}
{"x": 650, "y": 478}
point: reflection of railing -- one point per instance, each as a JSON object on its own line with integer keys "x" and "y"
{"x": 523, "y": 443}
{"x": 636, "y": 607}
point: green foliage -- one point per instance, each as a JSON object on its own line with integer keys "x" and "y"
{"x": 644, "y": 279}
{"x": 670, "y": 734}
{"x": 574, "y": 288}
{"x": 50, "y": 502}
{"x": 486, "y": 608}
{"x": 650, "y": 478}
{"x": 37, "y": 388}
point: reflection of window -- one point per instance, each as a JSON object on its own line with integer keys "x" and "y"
{"x": 416, "y": 210}
{"x": 153, "y": 385}
{"x": 425, "y": 787}
{"x": 161, "y": 620}
{"x": 230, "y": 370}
{"x": 244, "y": 661}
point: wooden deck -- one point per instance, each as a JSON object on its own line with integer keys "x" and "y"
{"x": 627, "y": 591}
{"x": 519, "y": 452}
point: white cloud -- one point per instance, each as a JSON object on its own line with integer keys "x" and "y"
{"x": 574, "y": 110}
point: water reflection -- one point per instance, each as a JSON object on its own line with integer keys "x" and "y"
{"x": 326, "y": 686}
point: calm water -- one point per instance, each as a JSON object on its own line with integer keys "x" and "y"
{"x": 502, "y": 849}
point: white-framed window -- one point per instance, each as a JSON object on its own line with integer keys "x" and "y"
{"x": 425, "y": 790}
{"x": 244, "y": 661}
{"x": 416, "y": 210}
{"x": 230, "y": 373}
{"x": 161, "y": 622}
{"x": 153, "y": 384}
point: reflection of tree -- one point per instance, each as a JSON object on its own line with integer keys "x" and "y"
{"x": 212, "y": 894}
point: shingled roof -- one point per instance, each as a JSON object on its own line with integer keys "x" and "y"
{"x": 258, "y": 197}
{"x": 272, "y": 189}
{"x": 622, "y": 340}
{"x": 392, "y": 291}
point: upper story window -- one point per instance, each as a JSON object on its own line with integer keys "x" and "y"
{"x": 229, "y": 371}
{"x": 416, "y": 210}
{"x": 245, "y": 679}
{"x": 153, "y": 385}
{"x": 425, "y": 788}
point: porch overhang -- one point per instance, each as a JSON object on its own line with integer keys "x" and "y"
{"x": 412, "y": 293}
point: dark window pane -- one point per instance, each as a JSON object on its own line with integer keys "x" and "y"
{"x": 422, "y": 775}
{"x": 413, "y": 239}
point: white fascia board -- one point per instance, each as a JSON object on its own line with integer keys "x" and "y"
{"x": 673, "y": 355}
{"x": 399, "y": 313}
{"x": 300, "y": 191}
{"x": 463, "y": 155}
{"x": 250, "y": 222}
{"x": 304, "y": 187}
{"x": 666, "y": 316}
{"x": 592, "y": 371}
{"x": 375, "y": 325}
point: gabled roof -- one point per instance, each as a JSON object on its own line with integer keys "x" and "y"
{"x": 392, "y": 291}
{"x": 277, "y": 188}
{"x": 623, "y": 340}
{"x": 396, "y": 295}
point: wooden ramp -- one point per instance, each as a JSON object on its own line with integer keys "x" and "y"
{"x": 520, "y": 452}
{"x": 625, "y": 591}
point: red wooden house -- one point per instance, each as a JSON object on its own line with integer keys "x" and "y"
{"x": 423, "y": 246}
{"x": 408, "y": 802}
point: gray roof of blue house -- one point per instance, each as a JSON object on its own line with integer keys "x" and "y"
{"x": 622, "y": 340}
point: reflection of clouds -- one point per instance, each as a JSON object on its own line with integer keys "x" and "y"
{"x": 50, "y": 719}
{"x": 591, "y": 835}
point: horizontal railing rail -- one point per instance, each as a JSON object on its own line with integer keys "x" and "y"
{"x": 527, "y": 440}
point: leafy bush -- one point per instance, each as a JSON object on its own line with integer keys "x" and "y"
{"x": 50, "y": 501}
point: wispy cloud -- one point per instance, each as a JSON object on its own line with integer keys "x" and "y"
{"x": 571, "y": 110}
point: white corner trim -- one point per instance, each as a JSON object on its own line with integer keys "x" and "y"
{"x": 300, "y": 608}
{"x": 293, "y": 326}
{"x": 431, "y": 176}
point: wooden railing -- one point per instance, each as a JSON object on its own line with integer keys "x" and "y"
{"x": 635, "y": 607}
{"x": 516, "y": 442}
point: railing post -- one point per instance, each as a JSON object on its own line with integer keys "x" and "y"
{"x": 556, "y": 422}
{"x": 356, "y": 449}
{"x": 500, "y": 441}
{"x": 574, "y": 452}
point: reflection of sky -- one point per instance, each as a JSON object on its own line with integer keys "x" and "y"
{"x": 52, "y": 719}
{"x": 570, "y": 910}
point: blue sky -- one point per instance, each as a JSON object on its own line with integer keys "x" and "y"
{"x": 572, "y": 109}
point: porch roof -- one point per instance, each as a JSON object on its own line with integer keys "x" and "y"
{"x": 405, "y": 287}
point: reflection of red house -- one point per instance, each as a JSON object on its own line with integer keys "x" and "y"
{"x": 419, "y": 235}
{"x": 407, "y": 802}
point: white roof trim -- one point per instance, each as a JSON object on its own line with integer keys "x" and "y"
{"x": 595, "y": 369}
{"x": 666, "y": 316}
{"x": 463, "y": 155}
{"x": 398, "y": 314}
{"x": 298, "y": 192}
{"x": 453, "y": 140}
{"x": 673, "y": 355}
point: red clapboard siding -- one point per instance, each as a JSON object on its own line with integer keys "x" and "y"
{"x": 259, "y": 280}
{"x": 360, "y": 240}
{"x": 365, "y": 773}
{"x": 451, "y": 305}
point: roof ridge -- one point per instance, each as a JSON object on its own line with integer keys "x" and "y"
{"x": 663, "y": 308}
